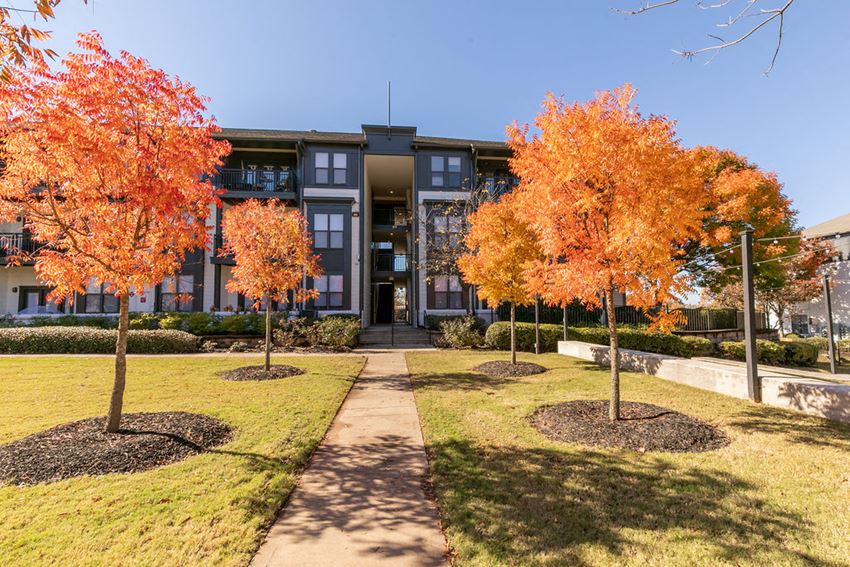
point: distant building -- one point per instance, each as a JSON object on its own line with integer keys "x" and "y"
{"x": 810, "y": 318}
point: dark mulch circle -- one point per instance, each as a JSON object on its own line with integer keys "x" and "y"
{"x": 248, "y": 373}
{"x": 504, "y": 369}
{"x": 145, "y": 441}
{"x": 643, "y": 427}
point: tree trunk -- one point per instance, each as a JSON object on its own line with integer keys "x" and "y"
{"x": 780, "y": 321}
{"x": 113, "y": 419}
{"x": 614, "y": 406}
{"x": 268, "y": 333}
{"x": 513, "y": 334}
{"x": 536, "y": 325}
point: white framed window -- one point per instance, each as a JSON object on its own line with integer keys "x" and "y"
{"x": 340, "y": 168}
{"x": 327, "y": 230}
{"x": 330, "y": 288}
{"x": 176, "y": 292}
{"x": 321, "y": 163}
{"x": 438, "y": 168}
{"x": 96, "y": 300}
{"x": 448, "y": 292}
{"x": 448, "y": 230}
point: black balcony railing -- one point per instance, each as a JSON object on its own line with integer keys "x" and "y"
{"x": 12, "y": 243}
{"x": 391, "y": 262}
{"x": 497, "y": 185}
{"x": 270, "y": 180}
{"x": 395, "y": 217}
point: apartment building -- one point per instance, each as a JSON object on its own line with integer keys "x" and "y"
{"x": 374, "y": 199}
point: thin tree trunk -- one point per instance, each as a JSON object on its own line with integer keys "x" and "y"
{"x": 113, "y": 420}
{"x": 513, "y": 333}
{"x": 268, "y": 332}
{"x": 614, "y": 405}
{"x": 780, "y": 320}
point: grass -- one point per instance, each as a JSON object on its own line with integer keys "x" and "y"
{"x": 211, "y": 509}
{"x": 777, "y": 495}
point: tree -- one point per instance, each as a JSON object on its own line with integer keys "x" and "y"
{"x": 106, "y": 161}
{"x": 753, "y": 13}
{"x": 612, "y": 196}
{"x": 501, "y": 246}
{"x": 273, "y": 252}
{"x": 16, "y": 41}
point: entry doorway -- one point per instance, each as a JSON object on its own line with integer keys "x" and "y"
{"x": 382, "y": 303}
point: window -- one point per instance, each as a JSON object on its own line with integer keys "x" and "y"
{"x": 454, "y": 172}
{"x": 447, "y": 231}
{"x": 96, "y": 300}
{"x": 448, "y": 292}
{"x": 437, "y": 169}
{"x": 327, "y": 230}
{"x": 322, "y": 168}
{"x": 330, "y": 291}
{"x": 176, "y": 293}
{"x": 340, "y": 165}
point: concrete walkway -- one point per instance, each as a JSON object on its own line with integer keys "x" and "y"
{"x": 362, "y": 500}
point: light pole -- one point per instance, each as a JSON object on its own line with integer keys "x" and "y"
{"x": 829, "y": 330}
{"x": 753, "y": 380}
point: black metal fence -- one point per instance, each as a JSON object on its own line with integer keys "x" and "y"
{"x": 697, "y": 319}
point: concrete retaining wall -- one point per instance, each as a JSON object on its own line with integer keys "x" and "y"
{"x": 810, "y": 396}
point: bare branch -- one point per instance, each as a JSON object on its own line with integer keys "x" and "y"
{"x": 646, "y": 7}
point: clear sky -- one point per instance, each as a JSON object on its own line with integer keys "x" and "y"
{"x": 466, "y": 69}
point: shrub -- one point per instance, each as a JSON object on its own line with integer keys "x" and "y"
{"x": 498, "y": 336}
{"x": 767, "y": 352}
{"x": 145, "y": 321}
{"x": 433, "y": 322}
{"x": 238, "y": 346}
{"x": 334, "y": 331}
{"x": 792, "y": 336}
{"x": 233, "y": 325}
{"x": 201, "y": 323}
{"x": 292, "y": 333}
{"x": 462, "y": 332}
{"x": 822, "y": 343}
{"x": 86, "y": 340}
{"x": 70, "y": 320}
{"x": 799, "y": 353}
{"x": 843, "y": 344}
{"x": 172, "y": 321}
{"x": 700, "y": 346}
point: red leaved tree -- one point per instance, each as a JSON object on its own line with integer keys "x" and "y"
{"x": 105, "y": 160}
{"x": 612, "y": 195}
{"x": 273, "y": 252}
{"x": 502, "y": 245}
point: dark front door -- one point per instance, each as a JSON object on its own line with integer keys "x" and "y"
{"x": 383, "y": 303}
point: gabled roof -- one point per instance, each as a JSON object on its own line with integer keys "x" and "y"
{"x": 838, "y": 225}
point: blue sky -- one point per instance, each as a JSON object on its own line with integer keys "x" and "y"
{"x": 467, "y": 69}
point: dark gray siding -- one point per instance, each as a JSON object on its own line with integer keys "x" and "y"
{"x": 423, "y": 170}
{"x": 335, "y": 260}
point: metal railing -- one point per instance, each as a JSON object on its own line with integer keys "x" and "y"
{"x": 390, "y": 262}
{"x": 497, "y": 185}
{"x": 271, "y": 180}
{"x": 397, "y": 217}
{"x": 12, "y": 243}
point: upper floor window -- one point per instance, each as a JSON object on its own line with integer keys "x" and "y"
{"x": 97, "y": 300}
{"x": 340, "y": 167}
{"x": 445, "y": 171}
{"x": 330, "y": 291}
{"x": 176, "y": 293}
{"x": 327, "y": 230}
{"x": 322, "y": 165}
{"x": 448, "y": 230}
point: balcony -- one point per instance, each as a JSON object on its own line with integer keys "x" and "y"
{"x": 391, "y": 218}
{"x": 253, "y": 183}
{"x": 216, "y": 257}
{"x": 497, "y": 185}
{"x": 391, "y": 263}
{"x": 12, "y": 243}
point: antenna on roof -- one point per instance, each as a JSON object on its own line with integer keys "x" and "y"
{"x": 389, "y": 109}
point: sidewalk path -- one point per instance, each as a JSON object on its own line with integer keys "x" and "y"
{"x": 362, "y": 500}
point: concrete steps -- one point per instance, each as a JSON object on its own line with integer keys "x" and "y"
{"x": 400, "y": 335}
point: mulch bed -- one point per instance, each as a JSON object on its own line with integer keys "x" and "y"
{"x": 145, "y": 441}
{"x": 642, "y": 427}
{"x": 256, "y": 373}
{"x": 504, "y": 369}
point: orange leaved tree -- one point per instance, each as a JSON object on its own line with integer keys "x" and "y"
{"x": 273, "y": 252}
{"x": 105, "y": 162}
{"x": 612, "y": 195}
{"x": 502, "y": 245}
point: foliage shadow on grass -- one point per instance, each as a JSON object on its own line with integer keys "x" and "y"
{"x": 461, "y": 381}
{"x": 541, "y": 504}
{"x": 793, "y": 427}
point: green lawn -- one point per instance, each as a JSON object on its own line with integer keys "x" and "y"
{"x": 779, "y": 494}
{"x": 211, "y": 509}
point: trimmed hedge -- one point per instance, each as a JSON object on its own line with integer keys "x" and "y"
{"x": 796, "y": 353}
{"x": 88, "y": 340}
{"x": 462, "y": 332}
{"x": 700, "y": 346}
{"x": 434, "y": 322}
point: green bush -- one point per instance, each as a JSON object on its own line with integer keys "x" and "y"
{"x": 798, "y": 353}
{"x": 462, "y": 332}
{"x": 233, "y": 325}
{"x": 843, "y": 344}
{"x": 334, "y": 331}
{"x": 145, "y": 321}
{"x": 792, "y": 336}
{"x": 71, "y": 320}
{"x": 434, "y": 322}
{"x": 201, "y": 323}
{"x": 700, "y": 346}
{"x": 498, "y": 336}
{"x": 767, "y": 352}
{"x": 822, "y": 343}
{"x": 87, "y": 340}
